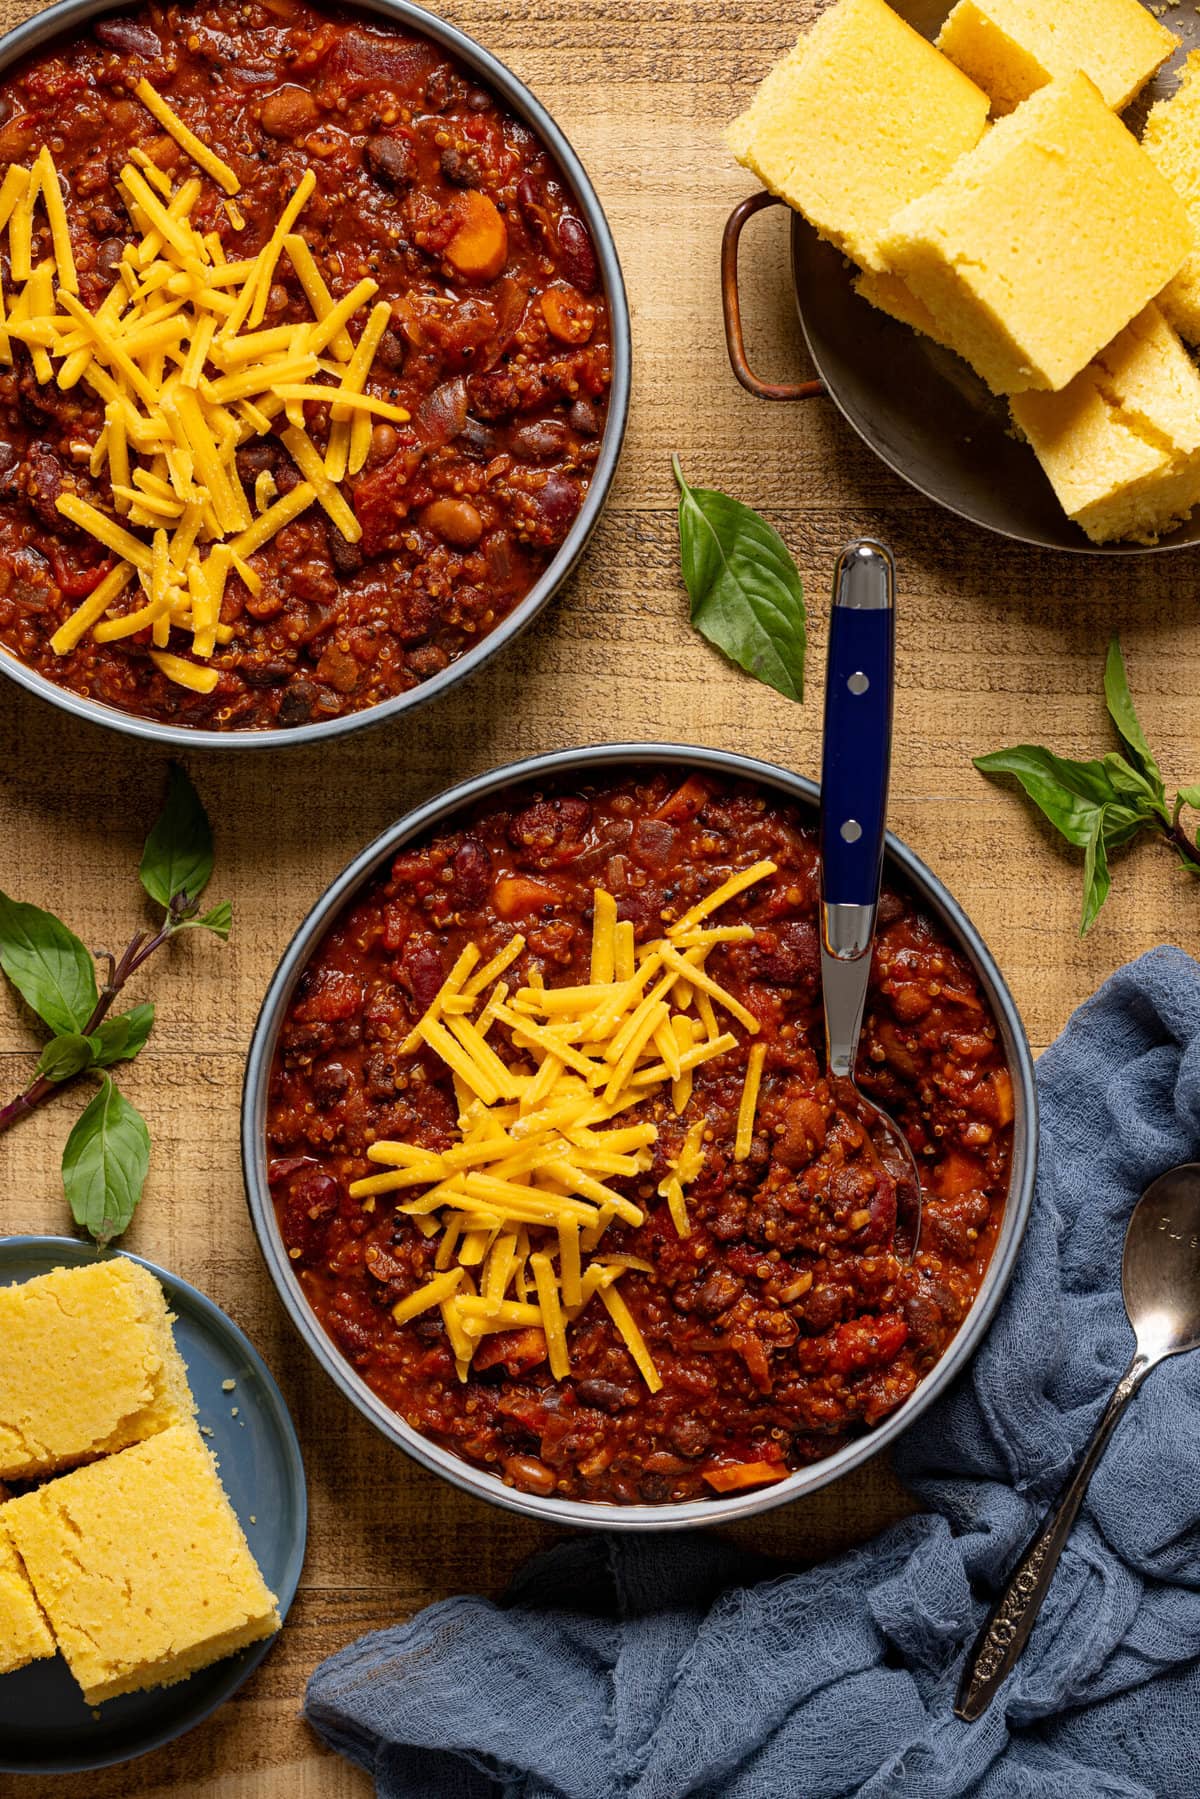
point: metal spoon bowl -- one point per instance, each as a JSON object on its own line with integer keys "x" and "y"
{"x": 1160, "y": 1283}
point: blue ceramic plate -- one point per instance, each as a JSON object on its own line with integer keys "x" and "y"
{"x": 45, "y": 1727}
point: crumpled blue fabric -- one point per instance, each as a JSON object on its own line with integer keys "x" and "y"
{"x": 674, "y": 1667}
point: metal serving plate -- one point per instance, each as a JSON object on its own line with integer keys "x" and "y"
{"x": 583, "y": 764}
{"x": 69, "y": 16}
{"x": 916, "y": 405}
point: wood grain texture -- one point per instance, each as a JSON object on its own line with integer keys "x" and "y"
{"x": 996, "y": 646}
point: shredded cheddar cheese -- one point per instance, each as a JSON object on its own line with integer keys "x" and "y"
{"x": 522, "y": 1200}
{"x": 176, "y": 352}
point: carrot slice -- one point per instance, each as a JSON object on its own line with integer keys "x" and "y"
{"x": 479, "y": 247}
{"x": 744, "y": 1474}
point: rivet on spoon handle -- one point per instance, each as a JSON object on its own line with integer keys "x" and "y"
{"x": 1160, "y": 1280}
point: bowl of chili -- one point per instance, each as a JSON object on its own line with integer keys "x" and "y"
{"x": 423, "y": 173}
{"x": 742, "y": 1332}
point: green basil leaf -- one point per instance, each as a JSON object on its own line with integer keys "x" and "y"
{"x": 1187, "y": 796}
{"x": 67, "y": 1055}
{"x": 1133, "y": 786}
{"x": 178, "y": 858}
{"x": 1069, "y": 793}
{"x": 219, "y": 921}
{"x": 1121, "y": 824}
{"x": 1096, "y": 878}
{"x": 122, "y": 1038}
{"x": 47, "y": 964}
{"x": 746, "y": 594}
{"x": 104, "y": 1163}
{"x": 1124, "y": 716}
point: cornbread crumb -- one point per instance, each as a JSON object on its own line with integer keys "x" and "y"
{"x": 88, "y": 1365}
{"x": 24, "y": 1634}
{"x": 1029, "y": 293}
{"x": 1010, "y": 48}
{"x": 1121, "y": 443}
{"x": 227, "y": 1386}
{"x": 1172, "y": 142}
{"x": 141, "y": 1566}
{"x": 860, "y": 117}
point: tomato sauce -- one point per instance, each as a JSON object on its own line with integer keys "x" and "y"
{"x": 785, "y": 1324}
{"x": 505, "y": 368}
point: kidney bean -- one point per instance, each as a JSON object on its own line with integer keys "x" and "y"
{"x": 584, "y": 418}
{"x": 128, "y": 36}
{"x": 540, "y": 440}
{"x": 421, "y": 970}
{"x": 556, "y": 505}
{"x": 472, "y": 871}
{"x": 576, "y": 254}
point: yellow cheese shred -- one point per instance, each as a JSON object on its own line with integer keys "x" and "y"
{"x": 184, "y": 386}
{"x": 524, "y": 1197}
{"x": 749, "y": 1102}
{"x": 201, "y": 155}
{"x": 635, "y": 1343}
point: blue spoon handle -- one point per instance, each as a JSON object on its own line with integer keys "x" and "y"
{"x": 856, "y": 760}
{"x": 858, "y": 726}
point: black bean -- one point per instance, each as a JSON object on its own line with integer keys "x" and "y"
{"x": 391, "y": 161}
{"x": 346, "y": 557}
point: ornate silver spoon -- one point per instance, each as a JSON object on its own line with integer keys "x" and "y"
{"x": 1160, "y": 1281}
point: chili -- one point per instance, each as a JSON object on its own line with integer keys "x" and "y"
{"x": 499, "y": 348}
{"x": 785, "y": 1324}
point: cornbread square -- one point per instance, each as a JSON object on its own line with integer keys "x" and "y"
{"x": 860, "y": 117}
{"x": 1121, "y": 442}
{"x": 141, "y": 1566}
{"x": 87, "y": 1365}
{"x": 1042, "y": 242}
{"x": 24, "y": 1633}
{"x": 1172, "y": 142}
{"x": 1013, "y": 47}
{"x": 888, "y": 293}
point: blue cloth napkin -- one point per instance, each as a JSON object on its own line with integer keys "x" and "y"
{"x": 673, "y": 1667}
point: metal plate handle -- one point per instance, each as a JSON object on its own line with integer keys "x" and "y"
{"x": 731, "y": 308}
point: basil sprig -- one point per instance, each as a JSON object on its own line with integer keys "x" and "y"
{"x": 747, "y": 597}
{"x": 108, "y": 1151}
{"x": 1102, "y": 805}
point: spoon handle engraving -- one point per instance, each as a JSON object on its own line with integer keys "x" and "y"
{"x": 1007, "y": 1628}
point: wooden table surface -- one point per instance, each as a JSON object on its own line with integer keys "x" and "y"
{"x": 996, "y": 645}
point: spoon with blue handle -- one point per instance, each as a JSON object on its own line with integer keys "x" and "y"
{"x": 855, "y": 765}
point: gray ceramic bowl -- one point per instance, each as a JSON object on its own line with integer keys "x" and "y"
{"x": 69, "y": 16}
{"x": 583, "y": 764}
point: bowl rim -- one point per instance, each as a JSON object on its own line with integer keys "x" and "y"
{"x": 585, "y": 761}
{"x": 33, "y": 34}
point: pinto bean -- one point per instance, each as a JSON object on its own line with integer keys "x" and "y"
{"x": 289, "y": 111}
{"x": 532, "y": 1476}
{"x": 457, "y": 522}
